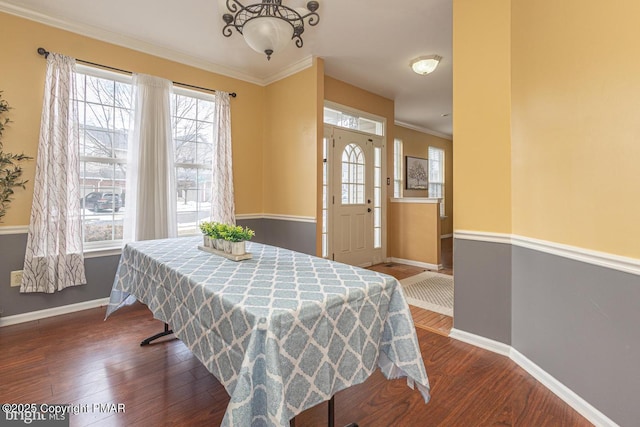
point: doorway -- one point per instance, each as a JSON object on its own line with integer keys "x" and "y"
{"x": 354, "y": 195}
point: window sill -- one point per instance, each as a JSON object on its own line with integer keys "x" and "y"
{"x": 414, "y": 200}
{"x": 103, "y": 251}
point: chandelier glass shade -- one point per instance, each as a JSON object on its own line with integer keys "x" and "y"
{"x": 269, "y": 26}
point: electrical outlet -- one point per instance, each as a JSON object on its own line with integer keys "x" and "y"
{"x": 16, "y": 278}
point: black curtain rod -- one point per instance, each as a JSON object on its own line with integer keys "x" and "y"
{"x": 42, "y": 51}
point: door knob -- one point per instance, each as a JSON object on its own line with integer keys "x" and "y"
{"x": 368, "y": 209}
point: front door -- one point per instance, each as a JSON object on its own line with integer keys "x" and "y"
{"x": 356, "y": 198}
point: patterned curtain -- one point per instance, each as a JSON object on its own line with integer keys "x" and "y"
{"x": 54, "y": 258}
{"x": 151, "y": 191}
{"x": 222, "y": 201}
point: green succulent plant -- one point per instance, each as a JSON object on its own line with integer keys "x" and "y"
{"x": 232, "y": 233}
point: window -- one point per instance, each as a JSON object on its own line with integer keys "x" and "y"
{"x": 352, "y": 175}
{"x": 353, "y": 121}
{"x": 104, "y": 108}
{"x": 436, "y": 176}
{"x": 397, "y": 168}
{"x": 193, "y": 139}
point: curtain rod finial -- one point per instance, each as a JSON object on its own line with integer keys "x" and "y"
{"x": 42, "y": 51}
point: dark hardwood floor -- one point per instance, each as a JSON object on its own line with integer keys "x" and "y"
{"x": 425, "y": 319}
{"x": 79, "y": 358}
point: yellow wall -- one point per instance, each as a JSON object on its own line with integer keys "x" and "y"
{"x": 417, "y": 144}
{"x": 22, "y": 80}
{"x": 576, "y": 123}
{"x": 291, "y": 144}
{"x": 481, "y": 115}
{"x": 415, "y": 232}
{"x": 360, "y": 99}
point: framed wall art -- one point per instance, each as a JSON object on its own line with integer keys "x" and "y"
{"x": 417, "y": 176}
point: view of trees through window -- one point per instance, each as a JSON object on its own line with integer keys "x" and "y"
{"x": 104, "y": 108}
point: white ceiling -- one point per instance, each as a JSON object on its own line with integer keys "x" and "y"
{"x": 367, "y": 43}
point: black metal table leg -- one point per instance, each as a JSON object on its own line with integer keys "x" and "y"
{"x": 166, "y": 332}
{"x": 332, "y": 414}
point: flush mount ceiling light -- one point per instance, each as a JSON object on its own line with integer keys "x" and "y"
{"x": 425, "y": 64}
{"x": 267, "y": 27}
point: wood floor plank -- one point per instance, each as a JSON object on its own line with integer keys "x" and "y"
{"x": 164, "y": 384}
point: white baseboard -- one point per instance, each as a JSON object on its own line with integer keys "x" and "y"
{"x": 416, "y": 263}
{"x": 482, "y": 342}
{"x": 583, "y": 407}
{"x": 50, "y": 312}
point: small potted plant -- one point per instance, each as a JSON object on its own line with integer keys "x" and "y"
{"x": 207, "y": 229}
{"x": 219, "y": 231}
{"x": 236, "y": 236}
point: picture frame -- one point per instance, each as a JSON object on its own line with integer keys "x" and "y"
{"x": 416, "y": 173}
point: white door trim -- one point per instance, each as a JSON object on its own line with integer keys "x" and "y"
{"x": 381, "y": 143}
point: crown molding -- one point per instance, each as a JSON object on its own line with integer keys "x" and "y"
{"x": 292, "y": 69}
{"x": 131, "y": 43}
{"x": 423, "y": 130}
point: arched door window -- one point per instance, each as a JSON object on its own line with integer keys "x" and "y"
{"x": 353, "y": 175}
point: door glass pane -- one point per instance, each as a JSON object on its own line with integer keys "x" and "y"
{"x": 353, "y": 176}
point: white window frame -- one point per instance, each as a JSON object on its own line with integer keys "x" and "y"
{"x": 196, "y": 166}
{"x": 360, "y": 117}
{"x": 436, "y": 155}
{"x": 397, "y": 168}
{"x": 120, "y": 78}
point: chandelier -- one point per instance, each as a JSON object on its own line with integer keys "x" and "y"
{"x": 267, "y": 27}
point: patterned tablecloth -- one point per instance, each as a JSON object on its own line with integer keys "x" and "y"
{"x": 283, "y": 331}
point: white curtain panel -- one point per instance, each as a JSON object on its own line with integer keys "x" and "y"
{"x": 54, "y": 258}
{"x": 151, "y": 207}
{"x": 222, "y": 202}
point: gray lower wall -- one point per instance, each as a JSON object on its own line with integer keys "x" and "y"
{"x": 578, "y": 322}
{"x": 482, "y": 294}
{"x": 99, "y": 271}
{"x": 581, "y": 324}
{"x": 294, "y": 235}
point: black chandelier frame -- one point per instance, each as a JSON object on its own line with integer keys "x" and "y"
{"x": 241, "y": 14}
